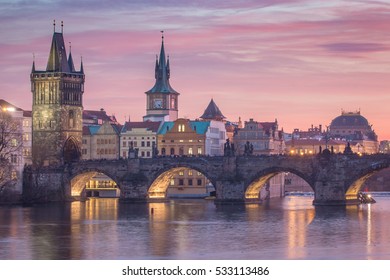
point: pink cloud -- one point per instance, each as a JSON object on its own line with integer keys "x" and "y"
{"x": 298, "y": 63}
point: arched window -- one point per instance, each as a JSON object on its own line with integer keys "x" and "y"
{"x": 181, "y": 151}
{"x": 172, "y": 151}
{"x": 163, "y": 151}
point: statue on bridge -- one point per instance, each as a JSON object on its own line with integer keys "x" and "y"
{"x": 348, "y": 150}
{"x": 228, "y": 149}
{"x": 133, "y": 153}
{"x": 248, "y": 149}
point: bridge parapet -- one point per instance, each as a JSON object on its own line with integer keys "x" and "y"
{"x": 334, "y": 178}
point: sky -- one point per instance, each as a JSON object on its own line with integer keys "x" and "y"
{"x": 298, "y": 61}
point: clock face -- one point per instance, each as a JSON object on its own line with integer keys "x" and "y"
{"x": 157, "y": 103}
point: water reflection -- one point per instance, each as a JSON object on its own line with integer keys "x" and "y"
{"x": 288, "y": 228}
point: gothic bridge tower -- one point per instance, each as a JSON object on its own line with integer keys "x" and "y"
{"x": 162, "y": 99}
{"x": 57, "y": 106}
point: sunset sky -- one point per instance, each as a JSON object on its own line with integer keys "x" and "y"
{"x": 300, "y": 62}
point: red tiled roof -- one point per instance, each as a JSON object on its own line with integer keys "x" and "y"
{"x": 153, "y": 126}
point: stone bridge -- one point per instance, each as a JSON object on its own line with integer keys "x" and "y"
{"x": 335, "y": 179}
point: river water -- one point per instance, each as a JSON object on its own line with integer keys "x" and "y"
{"x": 287, "y": 228}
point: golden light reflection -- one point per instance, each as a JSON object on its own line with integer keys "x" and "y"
{"x": 297, "y": 223}
{"x": 159, "y": 228}
{"x": 253, "y": 191}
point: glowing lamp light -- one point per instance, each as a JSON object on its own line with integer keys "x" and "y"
{"x": 9, "y": 109}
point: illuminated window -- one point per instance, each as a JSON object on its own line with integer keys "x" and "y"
{"x": 14, "y": 175}
{"x": 181, "y": 173}
{"x": 190, "y": 152}
{"x": 199, "y": 151}
{"x": 14, "y": 142}
{"x": 172, "y": 183}
{"x": 181, "y": 128}
{"x": 190, "y": 172}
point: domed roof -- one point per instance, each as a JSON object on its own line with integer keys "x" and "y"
{"x": 349, "y": 119}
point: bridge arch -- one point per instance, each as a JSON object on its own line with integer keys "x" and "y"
{"x": 161, "y": 181}
{"x": 254, "y": 186}
{"x": 79, "y": 180}
{"x": 355, "y": 185}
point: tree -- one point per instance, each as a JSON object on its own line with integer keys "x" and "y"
{"x": 10, "y": 148}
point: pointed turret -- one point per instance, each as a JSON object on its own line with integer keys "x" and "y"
{"x": 70, "y": 61}
{"x": 81, "y": 66}
{"x": 33, "y": 67}
{"x": 162, "y": 74}
{"x": 212, "y": 112}
{"x": 57, "y": 61}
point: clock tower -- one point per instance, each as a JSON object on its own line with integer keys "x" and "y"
{"x": 162, "y": 99}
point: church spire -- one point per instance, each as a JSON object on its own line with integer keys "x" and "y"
{"x": 162, "y": 73}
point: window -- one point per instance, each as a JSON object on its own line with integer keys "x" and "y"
{"x": 199, "y": 151}
{"x": 14, "y": 159}
{"x": 14, "y": 175}
{"x": 143, "y": 144}
{"x": 84, "y": 151}
{"x": 172, "y": 151}
{"x": 143, "y": 154}
{"x": 181, "y": 173}
{"x": 148, "y": 144}
{"x": 199, "y": 182}
{"x": 25, "y": 136}
{"x": 190, "y": 182}
{"x": 84, "y": 141}
{"x": 181, "y": 128}
{"x": 190, "y": 172}
{"x": 124, "y": 143}
{"x": 190, "y": 152}
{"x": 14, "y": 142}
{"x": 148, "y": 154}
{"x": 172, "y": 183}
{"x": 163, "y": 151}
{"x": 181, "y": 182}
{"x": 124, "y": 155}
{"x": 25, "y": 123}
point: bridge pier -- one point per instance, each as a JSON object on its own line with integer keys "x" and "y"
{"x": 229, "y": 191}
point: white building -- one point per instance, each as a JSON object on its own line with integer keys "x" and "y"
{"x": 140, "y": 136}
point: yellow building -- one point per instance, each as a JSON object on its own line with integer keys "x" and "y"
{"x": 187, "y": 138}
{"x": 182, "y": 138}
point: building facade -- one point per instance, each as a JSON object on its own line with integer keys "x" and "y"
{"x": 11, "y": 148}
{"x": 57, "y": 104}
{"x": 141, "y": 137}
{"x": 354, "y": 129}
{"x": 264, "y": 138}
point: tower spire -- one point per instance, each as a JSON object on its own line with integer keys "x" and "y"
{"x": 62, "y": 26}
